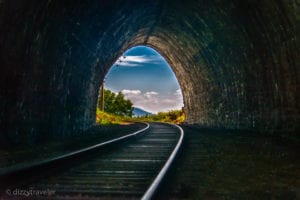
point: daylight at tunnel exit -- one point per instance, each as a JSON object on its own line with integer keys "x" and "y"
{"x": 145, "y": 78}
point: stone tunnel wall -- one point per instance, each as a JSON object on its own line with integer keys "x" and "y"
{"x": 236, "y": 61}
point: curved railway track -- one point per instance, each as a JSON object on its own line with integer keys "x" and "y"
{"x": 130, "y": 167}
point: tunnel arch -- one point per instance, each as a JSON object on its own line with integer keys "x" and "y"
{"x": 236, "y": 61}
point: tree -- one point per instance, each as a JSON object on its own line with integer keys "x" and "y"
{"x": 117, "y": 104}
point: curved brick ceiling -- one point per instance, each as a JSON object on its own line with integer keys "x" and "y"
{"x": 236, "y": 61}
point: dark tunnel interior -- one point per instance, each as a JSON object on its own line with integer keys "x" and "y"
{"x": 237, "y": 62}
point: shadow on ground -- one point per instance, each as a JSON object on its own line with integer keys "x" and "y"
{"x": 219, "y": 164}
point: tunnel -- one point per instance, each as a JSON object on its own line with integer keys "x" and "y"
{"x": 237, "y": 62}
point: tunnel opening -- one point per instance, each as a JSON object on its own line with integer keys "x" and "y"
{"x": 148, "y": 85}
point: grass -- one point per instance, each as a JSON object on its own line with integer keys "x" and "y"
{"x": 174, "y": 116}
{"x": 104, "y": 118}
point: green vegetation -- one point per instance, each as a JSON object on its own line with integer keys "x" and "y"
{"x": 116, "y": 104}
{"x": 174, "y": 116}
{"x": 118, "y": 110}
{"x": 106, "y": 118}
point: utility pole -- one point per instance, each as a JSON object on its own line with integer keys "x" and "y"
{"x": 102, "y": 96}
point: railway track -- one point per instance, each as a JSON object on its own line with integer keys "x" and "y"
{"x": 132, "y": 169}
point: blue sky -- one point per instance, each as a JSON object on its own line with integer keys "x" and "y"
{"x": 145, "y": 78}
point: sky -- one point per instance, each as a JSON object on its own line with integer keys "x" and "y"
{"x": 145, "y": 78}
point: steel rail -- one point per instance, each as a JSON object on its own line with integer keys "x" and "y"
{"x": 71, "y": 154}
{"x": 153, "y": 187}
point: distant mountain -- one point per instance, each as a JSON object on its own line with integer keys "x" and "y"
{"x": 138, "y": 112}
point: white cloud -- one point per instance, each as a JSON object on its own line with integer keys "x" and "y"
{"x": 125, "y": 92}
{"x": 126, "y": 64}
{"x": 178, "y": 92}
{"x": 154, "y": 102}
{"x": 135, "y": 61}
{"x": 150, "y": 94}
{"x": 139, "y": 59}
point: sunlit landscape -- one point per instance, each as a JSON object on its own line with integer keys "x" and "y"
{"x": 141, "y": 84}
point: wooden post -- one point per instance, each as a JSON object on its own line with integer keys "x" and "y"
{"x": 102, "y": 97}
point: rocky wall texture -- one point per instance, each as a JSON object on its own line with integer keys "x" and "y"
{"x": 237, "y": 61}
